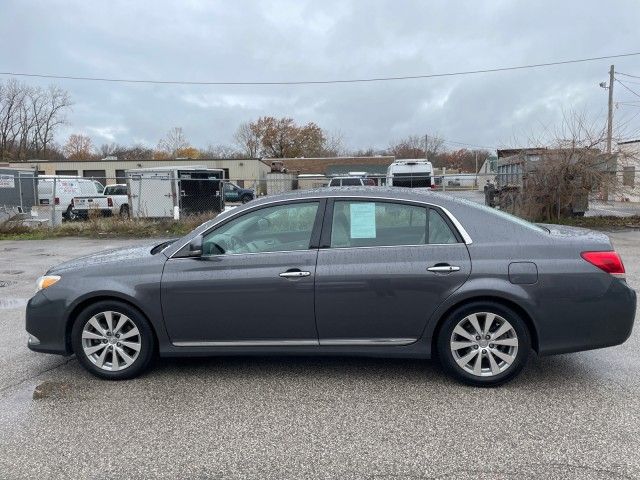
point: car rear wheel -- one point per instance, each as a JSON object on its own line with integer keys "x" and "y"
{"x": 245, "y": 198}
{"x": 484, "y": 344}
{"x": 112, "y": 340}
{"x": 124, "y": 211}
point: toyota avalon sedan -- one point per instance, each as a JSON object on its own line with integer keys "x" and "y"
{"x": 364, "y": 271}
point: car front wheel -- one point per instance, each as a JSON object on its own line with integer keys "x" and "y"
{"x": 112, "y": 340}
{"x": 484, "y": 344}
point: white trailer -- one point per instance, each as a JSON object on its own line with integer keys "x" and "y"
{"x": 410, "y": 173}
{"x": 172, "y": 192}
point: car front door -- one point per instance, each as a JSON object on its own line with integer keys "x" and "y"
{"x": 383, "y": 268}
{"x": 231, "y": 193}
{"x": 253, "y": 283}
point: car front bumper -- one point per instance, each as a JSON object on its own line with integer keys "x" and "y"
{"x": 46, "y": 325}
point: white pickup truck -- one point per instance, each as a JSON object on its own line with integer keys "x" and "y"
{"x": 113, "y": 201}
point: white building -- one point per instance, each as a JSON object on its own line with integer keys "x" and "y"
{"x": 628, "y": 164}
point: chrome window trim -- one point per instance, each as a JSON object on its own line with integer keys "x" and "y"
{"x": 461, "y": 230}
{"x": 302, "y": 343}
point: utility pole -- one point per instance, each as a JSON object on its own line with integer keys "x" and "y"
{"x": 426, "y": 144}
{"x": 476, "y": 181}
{"x": 610, "y": 115}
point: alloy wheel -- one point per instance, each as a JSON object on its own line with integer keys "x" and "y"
{"x": 484, "y": 344}
{"x": 111, "y": 341}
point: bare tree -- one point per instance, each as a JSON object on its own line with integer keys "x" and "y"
{"x": 78, "y": 147}
{"x": 50, "y": 117}
{"x": 414, "y": 146}
{"x": 11, "y": 100}
{"x": 109, "y": 150}
{"x": 557, "y": 178}
{"x": 223, "y": 151}
{"x": 248, "y": 140}
{"x": 173, "y": 142}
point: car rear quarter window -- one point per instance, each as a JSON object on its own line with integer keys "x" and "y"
{"x": 364, "y": 224}
{"x": 439, "y": 230}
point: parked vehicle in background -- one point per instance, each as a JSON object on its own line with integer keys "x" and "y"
{"x": 412, "y": 173}
{"x": 518, "y": 180}
{"x": 59, "y": 190}
{"x": 455, "y": 180}
{"x": 171, "y": 192}
{"x": 113, "y": 201}
{"x": 234, "y": 193}
{"x": 365, "y": 271}
{"x": 351, "y": 181}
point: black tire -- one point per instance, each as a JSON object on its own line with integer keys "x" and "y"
{"x": 146, "y": 340}
{"x": 445, "y": 337}
{"x": 246, "y": 198}
{"x": 124, "y": 211}
{"x": 69, "y": 215}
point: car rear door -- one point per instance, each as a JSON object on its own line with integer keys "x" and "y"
{"x": 383, "y": 268}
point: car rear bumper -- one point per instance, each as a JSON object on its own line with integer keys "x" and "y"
{"x": 46, "y": 326}
{"x": 568, "y": 326}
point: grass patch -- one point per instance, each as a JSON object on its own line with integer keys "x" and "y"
{"x": 109, "y": 227}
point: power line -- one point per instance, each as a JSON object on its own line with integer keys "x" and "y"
{"x": 635, "y": 93}
{"x": 454, "y": 142}
{"x": 317, "y": 82}
{"x": 628, "y": 75}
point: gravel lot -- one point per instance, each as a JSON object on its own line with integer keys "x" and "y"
{"x": 570, "y": 417}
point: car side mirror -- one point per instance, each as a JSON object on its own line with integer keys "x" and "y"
{"x": 195, "y": 247}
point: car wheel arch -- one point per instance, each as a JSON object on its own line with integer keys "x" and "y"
{"x": 88, "y": 301}
{"x": 501, "y": 300}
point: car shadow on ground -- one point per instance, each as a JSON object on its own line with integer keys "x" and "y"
{"x": 549, "y": 372}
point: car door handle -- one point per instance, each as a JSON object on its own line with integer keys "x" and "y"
{"x": 443, "y": 268}
{"x": 294, "y": 274}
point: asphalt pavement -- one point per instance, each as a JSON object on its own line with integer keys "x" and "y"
{"x": 568, "y": 417}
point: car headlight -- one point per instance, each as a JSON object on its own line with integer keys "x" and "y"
{"x": 46, "y": 281}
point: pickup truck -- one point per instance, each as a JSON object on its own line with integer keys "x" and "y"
{"x": 113, "y": 201}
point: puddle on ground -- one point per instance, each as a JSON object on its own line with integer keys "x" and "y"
{"x": 10, "y": 303}
{"x": 49, "y": 389}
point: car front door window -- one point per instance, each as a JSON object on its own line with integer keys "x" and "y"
{"x": 271, "y": 229}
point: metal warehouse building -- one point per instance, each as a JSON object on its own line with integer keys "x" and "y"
{"x": 245, "y": 172}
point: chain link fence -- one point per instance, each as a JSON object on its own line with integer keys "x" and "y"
{"x": 55, "y": 200}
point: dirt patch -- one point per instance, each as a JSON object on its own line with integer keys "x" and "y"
{"x": 51, "y": 390}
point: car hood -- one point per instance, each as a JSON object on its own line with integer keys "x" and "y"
{"x": 119, "y": 255}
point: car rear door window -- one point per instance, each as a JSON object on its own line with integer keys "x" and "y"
{"x": 364, "y": 223}
{"x": 271, "y": 229}
{"x": 439, "y": 230}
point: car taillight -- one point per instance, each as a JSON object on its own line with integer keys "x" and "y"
{"x": 57, "y": 201}
{"x": 609, "y": 262}
{"x": 110, "y": 201}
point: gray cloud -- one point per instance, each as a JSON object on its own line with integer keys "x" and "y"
{"x": 310, "y": 40}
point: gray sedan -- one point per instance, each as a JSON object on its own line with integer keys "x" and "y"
{"x": 364, "y": 271}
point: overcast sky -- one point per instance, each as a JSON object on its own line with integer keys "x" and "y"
{"x": 318, "y": 40}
